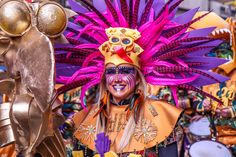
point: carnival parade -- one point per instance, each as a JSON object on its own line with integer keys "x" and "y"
{"x": 117, "y": 78}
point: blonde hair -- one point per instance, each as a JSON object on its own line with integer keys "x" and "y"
{"x": 130, "y": 126}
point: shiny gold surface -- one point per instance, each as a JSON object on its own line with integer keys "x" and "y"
{"x": 37, "y": 78}
{"x": 7, "y": 86}
{"x": 31, "y": 118}
{"x": 14, "y": 18}
{"x": 51, "y": 19}
{"x": 6, "y": 132}
{"x": 52, "y": 146}
{"x": 8, "y": 151}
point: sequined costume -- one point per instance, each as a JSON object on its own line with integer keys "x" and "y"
{"x": 122, "y": 38}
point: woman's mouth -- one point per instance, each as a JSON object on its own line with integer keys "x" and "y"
{"x": 118, "y": 87}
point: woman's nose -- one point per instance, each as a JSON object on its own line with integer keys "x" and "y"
{"x": 118, "y": 78}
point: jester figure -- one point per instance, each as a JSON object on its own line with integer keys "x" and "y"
{"x": 29, "y": 119}
{"x": 120, "y": 47}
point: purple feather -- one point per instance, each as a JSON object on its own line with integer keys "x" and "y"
{"x": 175, "y": 5}
{"x": 87, "y": 17}
{"x": 186, "y": 17}
{"x": 177, "y": 69}
{"x": 201, "y": 32}
{"x": 146, "y": 12}
{"x": 180, "y": 52}
{"x": 99, "y": 14}
{"x": 124, "y": 9}
{"x": 141, "y": 9}
{"x": 130, "y": 13}
{"x": 208, "y": 63}
{"x": 77, "y": 7}
{"x": 184, "y": 26}
{"x": 164, "y": 8}
{"x": 73, "y": 26}
{"x": 157, "y": 6}
{"x": 78, "y": 62}
{"x": 135, "y": 15}
{"x": 112, "y": 10}
{"x": 100, "y": 5}
{"x": 202, "y": 53}
{"x": 203, "y": 80}
{"x": 72, "y": 85}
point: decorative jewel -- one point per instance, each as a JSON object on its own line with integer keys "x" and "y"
{"x": 87, "y": 131}
{"x": 145, "y": 131}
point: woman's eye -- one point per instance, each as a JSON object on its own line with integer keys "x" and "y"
{"x": 111, "y": 71}
{"x": 115, "y": 40}
{"x": 126, "y": 41}
{"x": 125, "y": 71}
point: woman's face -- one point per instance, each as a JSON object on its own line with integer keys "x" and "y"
{"x": 120, "y": 80}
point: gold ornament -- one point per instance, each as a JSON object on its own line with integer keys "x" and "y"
{"x": 125, "y": 38}
{"x": 14, "y": 18}
{"x": 145, "y": 131}
{"x": 51, "y": 19}
{"x": 87, "y": 132}
{"x": 17, "y": 17}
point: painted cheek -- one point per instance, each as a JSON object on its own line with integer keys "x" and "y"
{"x": 130, "y": 80}
{"x": 110, "y": 79}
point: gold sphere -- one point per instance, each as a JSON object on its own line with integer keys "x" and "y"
{"x": 51, "y": 19}
{"x": 14, "y": 18}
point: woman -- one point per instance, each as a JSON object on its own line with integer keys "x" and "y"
{"x": 131, "y": 124}
{"x": 121, "y": 60}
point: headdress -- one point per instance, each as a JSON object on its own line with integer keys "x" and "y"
{"x": 145, "y": 34}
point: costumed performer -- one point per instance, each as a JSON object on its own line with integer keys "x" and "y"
{"x": 120, "y": 47}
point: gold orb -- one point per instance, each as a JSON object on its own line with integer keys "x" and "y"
{"x": 15, "y": 18}
{"x": 51, "y": 19}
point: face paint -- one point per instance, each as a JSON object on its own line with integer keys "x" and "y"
{"x": 121, "y": 81}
